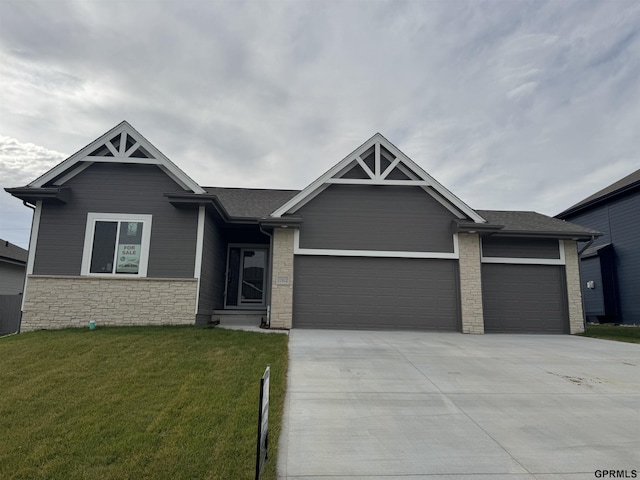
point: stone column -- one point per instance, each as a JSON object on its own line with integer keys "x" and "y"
{"x": 574, "y": 295}
{"x": 470, "y": 283}
{"x": 282, "y": 278}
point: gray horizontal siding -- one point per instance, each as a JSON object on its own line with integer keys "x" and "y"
{"x": 593, "y": 299}
{"x": 368, "y": 217}
{"x": 118, "y": 188}
{"x": 618, "y": 220}
{"x": 624, "y": 218}
{"x": 515, "y": 247}
{"x": 11, "y": 278}
{"x": 384, "y": 293}
{"x": 214, "y": 256}
{"x": 10, "y": 313}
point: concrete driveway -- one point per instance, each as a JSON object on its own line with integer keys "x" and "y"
{"x": 423, "y": 405}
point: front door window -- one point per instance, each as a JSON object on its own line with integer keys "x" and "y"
{"x": 246, "y": 276}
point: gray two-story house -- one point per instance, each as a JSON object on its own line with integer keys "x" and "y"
{"x": 122, "y": 236}
{"x": 611, "y": 265}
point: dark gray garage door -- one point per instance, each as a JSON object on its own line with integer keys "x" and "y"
{"x": 524, "y": 298}
{"x": 384, "y": 293}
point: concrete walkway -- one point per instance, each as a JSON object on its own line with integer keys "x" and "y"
{"x": 447, "y": 406}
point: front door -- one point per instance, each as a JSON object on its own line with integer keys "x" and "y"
{"x": 246, "y": 277}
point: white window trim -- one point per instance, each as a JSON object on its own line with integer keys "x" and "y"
{"x": 526, "y": 261}
{"x": 92, "y": 218}
{"x": 374, "y": 253}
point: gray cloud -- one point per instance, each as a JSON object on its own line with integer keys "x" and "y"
{"x": 531, "y": 105}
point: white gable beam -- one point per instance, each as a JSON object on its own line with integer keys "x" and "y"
{"x": 123, "y": 143}
{"x": 111, "y": 148}
{"x": 132, "y": 149}
{"x": 364, "y": 166}
{"x": 142, "y": 161}
{"x": 160, "y": 159}
{"x": 390, "y": 168}
{"x": 377, "y": 181}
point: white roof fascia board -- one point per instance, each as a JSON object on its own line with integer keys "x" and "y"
{"x": 123, "y": 128}
{"x": 437, "y": 186}
{"x": 72, "y": 173}
{"x": 75, "y": 158}
{"x": 444, "y": 202}
{"x": 292, "y": 205}
{"x": 425, "y": 180}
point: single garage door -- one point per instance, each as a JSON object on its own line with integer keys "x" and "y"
{"x": 524, "y": 298}
{"x": 375, "y": 293}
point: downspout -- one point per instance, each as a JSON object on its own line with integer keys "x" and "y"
{"x": 589, "y": 243}
{"x": 26, "y": 273}
{"x": 270, "y": 272}
{"x": 580, "y": 252}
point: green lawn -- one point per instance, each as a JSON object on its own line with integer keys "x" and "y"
{"x": 136, "y": 403}
{"x": 610, "y": 332}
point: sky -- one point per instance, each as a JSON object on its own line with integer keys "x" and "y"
{"x": 511, "y": 105}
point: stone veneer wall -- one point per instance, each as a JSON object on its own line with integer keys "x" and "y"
{"x": 53, "y": 301}
{"x": 574, "y": 295}
{"x": 470, "y": 283}
{"x": 282, "y": 278}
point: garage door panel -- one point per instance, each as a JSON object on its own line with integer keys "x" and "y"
{"x": 361, "y": 292}
{"x": 524, "y": 298}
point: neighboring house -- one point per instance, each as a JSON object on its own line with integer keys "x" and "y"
{"x": 610, "y": 267}
{"x": 122, "y": 236}
{"x": 13, "y": 264}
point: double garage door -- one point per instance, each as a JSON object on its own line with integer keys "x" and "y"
{"x": 423, "y": 294}
{"x": 375, "y": 293}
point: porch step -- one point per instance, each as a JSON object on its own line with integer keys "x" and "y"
{"x": 240, "y": 319}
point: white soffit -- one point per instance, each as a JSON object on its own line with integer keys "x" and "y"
{"x": 379, "y": 173}
{"x": 131, "y": 147}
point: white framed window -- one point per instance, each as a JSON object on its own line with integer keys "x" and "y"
{"x": 116, "y": 244}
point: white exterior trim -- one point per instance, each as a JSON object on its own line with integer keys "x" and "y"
{"x": 197, "y": 271}
{"x": 135, "y": 160}
{"x": 527, "y": 261}
{"x": 378, "y": 181}
{"x": 33, "y": 243}
{"x": 92, "y": 218}
{"x": 378, "y": 178}
{"x": 72, "y": 173}
{"x": 455, "y": 255}
{"x": 121, "y": 156}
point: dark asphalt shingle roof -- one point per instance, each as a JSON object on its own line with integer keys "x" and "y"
{"x": 12, "y": 252}
{"x": 630, "y": 181}
{"x": 251, "y": 202}
{"x": 259, "y": 203}
{"x": 532, "y": 222}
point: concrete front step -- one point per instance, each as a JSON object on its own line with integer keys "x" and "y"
{"x": 240, "y": 319}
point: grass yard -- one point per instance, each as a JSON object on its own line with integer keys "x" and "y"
{"x": 137, "y": 403}
{"x": 610, "y": 332}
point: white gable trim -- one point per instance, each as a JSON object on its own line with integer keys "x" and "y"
{"x": 120, "y": 155}
{"x": 297, "y": 250}
{"x": 378, "y": 178}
